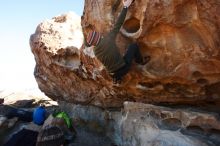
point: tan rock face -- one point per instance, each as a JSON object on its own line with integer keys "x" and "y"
{"x": 182, "y": 38}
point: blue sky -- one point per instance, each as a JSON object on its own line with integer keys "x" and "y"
{"x": 18, "y": 20}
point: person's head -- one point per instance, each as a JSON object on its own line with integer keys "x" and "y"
{"x": 93, "y": 38}
{"x": 50, "y": 136}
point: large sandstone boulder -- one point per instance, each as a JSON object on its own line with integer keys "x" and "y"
{"x": 182, "y": 37}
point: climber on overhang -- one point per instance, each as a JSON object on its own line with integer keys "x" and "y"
{"x": 107, "y": 52}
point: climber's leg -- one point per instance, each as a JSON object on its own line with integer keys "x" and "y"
{"x": 133, "y": 51}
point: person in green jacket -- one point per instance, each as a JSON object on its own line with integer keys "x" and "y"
{"x": 107, "y": 52}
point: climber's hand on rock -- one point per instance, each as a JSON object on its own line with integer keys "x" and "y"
{"x": 127, "y": 3}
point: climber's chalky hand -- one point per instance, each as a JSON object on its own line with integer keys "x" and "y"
{"x": 127, "y": 3}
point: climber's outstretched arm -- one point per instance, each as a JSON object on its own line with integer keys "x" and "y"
{"x": 121, "y": 17}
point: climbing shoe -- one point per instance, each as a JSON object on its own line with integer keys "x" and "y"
{"x": 116, "y": 80}
{"x": 145, "y": 60}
